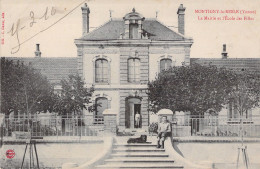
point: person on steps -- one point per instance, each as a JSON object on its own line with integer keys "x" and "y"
{"x": 164, "y": 129}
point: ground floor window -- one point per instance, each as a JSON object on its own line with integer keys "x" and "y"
{"x": 101, "y": 105}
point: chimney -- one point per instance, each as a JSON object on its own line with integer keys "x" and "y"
{"x": 38, "y": 52}
{"x": 181, "y": 21}
{"x": 224, "y": 52}
{"x": 85, "y": 19}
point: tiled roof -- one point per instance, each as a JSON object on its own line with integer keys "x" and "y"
{"x": 114, "y": 28}
{"x": 54, "y": 68}
{"x": 237, "y": 64}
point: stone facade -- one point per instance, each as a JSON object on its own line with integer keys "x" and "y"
{"x": 126, "y": 54}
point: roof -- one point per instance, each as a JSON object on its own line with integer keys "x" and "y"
{"x": 133, "y": 16}
{"x": 54, "y": 68}
{"x": 114, "y": 28}
{"x": 250, "y": 64}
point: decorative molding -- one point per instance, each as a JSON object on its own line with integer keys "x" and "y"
{"x": 101, "y": 57}
{"x": 94, "y": 67}
{"x": 100, "y": 51}
{"x": 166, "y": 56}
{"x": 101, "y": 94}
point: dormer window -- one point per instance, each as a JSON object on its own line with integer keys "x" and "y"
{"x": 133, "y": 31}
{"x": 133, "y": 25}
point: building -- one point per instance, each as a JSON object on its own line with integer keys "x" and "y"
{"x": 234, "y": 64}
{"x": 120, "y": 57}
{"x": 54, "y": 68}
{"x": 238, "y": 65}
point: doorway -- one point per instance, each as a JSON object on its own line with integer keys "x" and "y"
{"x": 133, "y": 105}
{"x": 137, "y": 110}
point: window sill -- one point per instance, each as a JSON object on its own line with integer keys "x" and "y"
{"x": 238, "y": 121}
{"x": 134, "y": 82}
{"x": 101, "y": 83}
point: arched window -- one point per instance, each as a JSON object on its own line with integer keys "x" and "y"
{"x": 133, "y": 70}
{"x": 101, "y": 105}
{"x": 165, "y": 64}
{"x": 101, "y": 71}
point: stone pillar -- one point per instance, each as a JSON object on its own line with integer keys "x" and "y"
{"x": 126, "y": 35}
{"x": 181, "y": 21}
{"x": 169, "y": 114}
{"x": 165, "y": 112}
{"x": 110, "y": 121}
{"x": 139, "y": 29}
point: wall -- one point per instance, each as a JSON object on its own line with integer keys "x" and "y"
{"x": 89, "y": 56}
{"x": 134, "y": 52}
{"x": 178, "y": 54}
{"x": 144, "y": 106}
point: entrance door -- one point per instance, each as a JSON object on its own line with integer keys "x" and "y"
{"x": 132, "y": 106}
{"x": 137, "y": 109}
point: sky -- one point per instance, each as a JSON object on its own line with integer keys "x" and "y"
{"x": 54, "y": 24}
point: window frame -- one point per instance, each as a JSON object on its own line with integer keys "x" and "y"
{"x": 102, "y": 81}
{"x": 133, "y": 33}
{"x": 160, "y": 62}
{"x": 136, "y": 70}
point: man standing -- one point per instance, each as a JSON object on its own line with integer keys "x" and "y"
{"x": 164, "y": 129}
{"x": 137, "y": 119}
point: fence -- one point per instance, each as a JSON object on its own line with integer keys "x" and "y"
{"x": 54, "y": 126}
{"x": 217, "y": 126}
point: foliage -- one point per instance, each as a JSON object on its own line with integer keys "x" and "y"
{"x": 74, "y": 96}
{"x": 193, "y": 88}
{"x": 245, "y": 94}
{"x": 37, "y": 129}
{"x": 24, "y": 89}
{"x": 153, "y": 127}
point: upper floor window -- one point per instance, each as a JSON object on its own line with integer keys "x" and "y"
{"x": 101, "y": 71}
{"x": 165, "y": 64}
{"x": 133, "y": 31}
{"x": 133, "y": 70}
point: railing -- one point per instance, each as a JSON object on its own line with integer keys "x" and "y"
{"x": 217, "y": 126}
{"x": 98, "y": 120}
{"x": 49, "y": 125}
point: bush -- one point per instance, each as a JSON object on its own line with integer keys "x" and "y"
{"x": 153, "y": 127}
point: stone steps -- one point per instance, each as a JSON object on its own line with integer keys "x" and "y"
{"x": 144, "y": 159}
{"x": 136, "y": 145}
{"x": 151, "y": 165}
{"x": 137, "y": 155}
{"x": 138, "y": 150}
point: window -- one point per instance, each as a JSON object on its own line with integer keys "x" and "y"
{"x": 101, "y": 71}
{"x": 133, "y": 70}
{"x": 101, "y": 105}
{"x": 133, "y": 31}
{"x": 165, "y": 64}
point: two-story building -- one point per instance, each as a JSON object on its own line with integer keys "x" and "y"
{"x": 120, "y": 57}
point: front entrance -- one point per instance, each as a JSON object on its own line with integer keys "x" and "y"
{"x": 137, "y": 116}
{"x": 133, "y": 107}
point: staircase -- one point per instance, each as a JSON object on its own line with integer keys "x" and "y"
{"x": 135, "y": 155}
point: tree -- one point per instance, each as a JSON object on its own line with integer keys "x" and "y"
{"x": 74, "y": 96}
{"x": 24, "y": 89}
{"x": 193, "y": 88}
{"x": 245, "y": 95}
